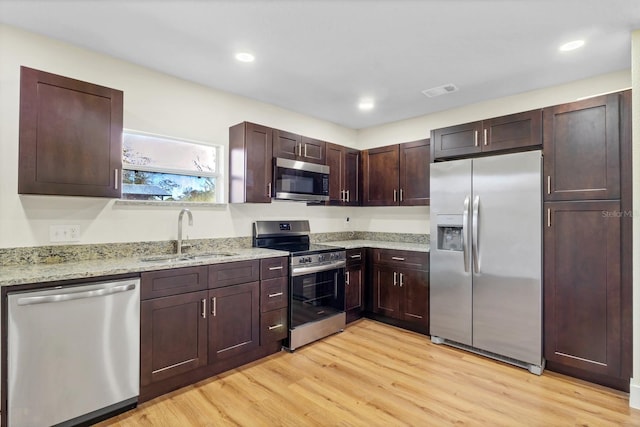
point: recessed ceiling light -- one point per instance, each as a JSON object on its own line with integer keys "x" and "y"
{"x": 366, "y": 104}
{"x": 245, "y": 57}
{"x": 572, "y": 45}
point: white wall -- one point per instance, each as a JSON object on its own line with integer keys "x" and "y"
{"x": 158, "y": 103}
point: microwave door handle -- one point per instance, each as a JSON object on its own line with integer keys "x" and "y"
{"x": 465, "y": 239}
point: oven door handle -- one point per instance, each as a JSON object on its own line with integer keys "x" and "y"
{"x": 300, "y": 271}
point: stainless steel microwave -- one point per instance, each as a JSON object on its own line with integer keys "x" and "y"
{"x": 296, "y": 180}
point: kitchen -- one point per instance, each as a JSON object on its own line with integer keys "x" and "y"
{"x": 205, "y": 114}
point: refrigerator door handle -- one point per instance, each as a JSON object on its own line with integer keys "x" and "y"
{"x": 475, "y": 249}
{"x": 465, "y": 228}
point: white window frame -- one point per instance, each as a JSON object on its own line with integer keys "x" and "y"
{"x": 219, "y": 175}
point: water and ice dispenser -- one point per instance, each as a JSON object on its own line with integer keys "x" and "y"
{"x": 449, "y": 232}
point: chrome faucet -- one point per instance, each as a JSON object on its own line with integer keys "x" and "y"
{"x": 182, "y": 212}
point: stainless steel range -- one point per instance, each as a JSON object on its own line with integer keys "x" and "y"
{"x": 316, "y": 280}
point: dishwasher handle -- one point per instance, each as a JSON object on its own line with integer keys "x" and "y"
{"x": 45, "y": 299}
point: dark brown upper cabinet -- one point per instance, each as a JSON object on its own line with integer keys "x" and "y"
{"x": 344, "y": 164}
{"x": 250, "y": 163}
{"x": 582, "y": 149}
{"x": 506, "y": 133}
{"x": 70, "y": 136}
{"x": 289, "y": 145}
{"x": 396, "y": 175}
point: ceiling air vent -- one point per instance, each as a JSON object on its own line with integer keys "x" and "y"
{"x": 440, "y": 90}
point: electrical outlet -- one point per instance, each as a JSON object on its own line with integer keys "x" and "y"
{"x": 64, "y": 233}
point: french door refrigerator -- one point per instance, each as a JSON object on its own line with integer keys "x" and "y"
{"x": 486, "y": 263}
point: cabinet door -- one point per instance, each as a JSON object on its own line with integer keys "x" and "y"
{"x": 457, "y": 141}
{"x": 234, "y": 320}
{"x": 313, "y": 150}
{"x": 173, "y": 336}
{"x": 582, "y": 150}
{"x": 512, "y": 131}
{"x": 414, "y": 173}
{"x": 415, "y": 300}
{"x": 381, "y": 169}
{"x": 351, "y": 176}
{"x": 354, "y": 297}
{"x": 582, "y": 305}
{"x": 386, "y": 292}
{"x": 70, "y": 136}
{"x": 250, "y": 164}
{"x": 286, "y": 145}
{"x": 335, "y": 161}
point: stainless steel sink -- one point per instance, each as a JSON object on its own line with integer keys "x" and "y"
{"x": 194, "y": 257}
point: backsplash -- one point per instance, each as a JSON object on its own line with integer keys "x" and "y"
{"x": 63, "y": 253}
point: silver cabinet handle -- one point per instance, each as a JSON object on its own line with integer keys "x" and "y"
{"x": 465, "y": 238}
{"x": 401, "y": 279}
{"x": 279, "y": 325}
{"x": 213, "y": 306}
{"x": 347, "y": 196}
{"x": 346, "y": 278}
{"x": 203, "y": 308}
{"x": 395, "y": 278}
{"x": 548, "y": 217}
{"x": 115, "y": 178}
{"x": 401, "y": 194}
{"x": 75, "y": 295}
{"x": 276, "y": 268}
{"x": 277, "y": 294}
{"x": 486, "y": 140}
{"x": 397, "y": 258}
{"x": 269, "y": 190}
{"x": 395, "y": 195}
{"x": 305, "y": 150}
{"x": 548, "y": 184}
{"x": 475, "y": 138}
{"x": 356, "y": 256}
{"x": 475, "y": 249}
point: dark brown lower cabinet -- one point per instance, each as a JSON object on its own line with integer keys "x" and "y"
{"x": 400, "y": 288}
{"x": 173, "y": 336}
{"x": 234, "y": 321}
{"x": 583, "y": 291}
{"x": 354, "y": 284}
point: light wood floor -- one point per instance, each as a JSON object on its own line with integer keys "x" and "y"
{"x": 377, "y": 375}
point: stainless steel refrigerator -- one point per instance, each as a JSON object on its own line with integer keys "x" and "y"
{"x": 486, "y": 256}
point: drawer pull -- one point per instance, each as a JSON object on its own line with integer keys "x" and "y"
{"x": 357, "y": 256}
{"x": 277, "y": 294}
{"x": 279, "y": 325}
{"x": 397, "y": 258}
{"x": 276, "y": 268}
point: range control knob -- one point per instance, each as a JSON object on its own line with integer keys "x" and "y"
{"x": 320, "y": 257}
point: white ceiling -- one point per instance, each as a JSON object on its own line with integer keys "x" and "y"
{"x": 320, "y": 57}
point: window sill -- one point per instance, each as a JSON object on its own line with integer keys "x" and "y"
{"x": 157, "y": 203}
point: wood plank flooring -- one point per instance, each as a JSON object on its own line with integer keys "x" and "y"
{"x": 377, "y": 375}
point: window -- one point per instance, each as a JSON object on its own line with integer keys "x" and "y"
{"x": 167, "y": 169}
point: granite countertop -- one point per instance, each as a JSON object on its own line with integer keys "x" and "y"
{"x": 353, "y": 244}
{"x": 42, "y": 273}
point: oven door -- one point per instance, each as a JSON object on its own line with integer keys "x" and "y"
{"x": 315, "y": 296}
{"x": 295, "y": 180}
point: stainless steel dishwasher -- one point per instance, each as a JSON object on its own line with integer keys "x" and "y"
{"x": 73, "y": 352}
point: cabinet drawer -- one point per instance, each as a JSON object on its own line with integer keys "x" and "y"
{"x": 409, "y": 259}
{"x": 273, "y": 326}
{"x": 233, "y": 273}
{"x": 274, "y": 267}
{"x": 155, "y": 284}
{"x": 273, "y": 294}
{"x": 355, "y": 256}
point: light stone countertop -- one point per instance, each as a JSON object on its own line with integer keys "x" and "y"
{"x": 42, "y": 273}
{"x": 353, "y": 244}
